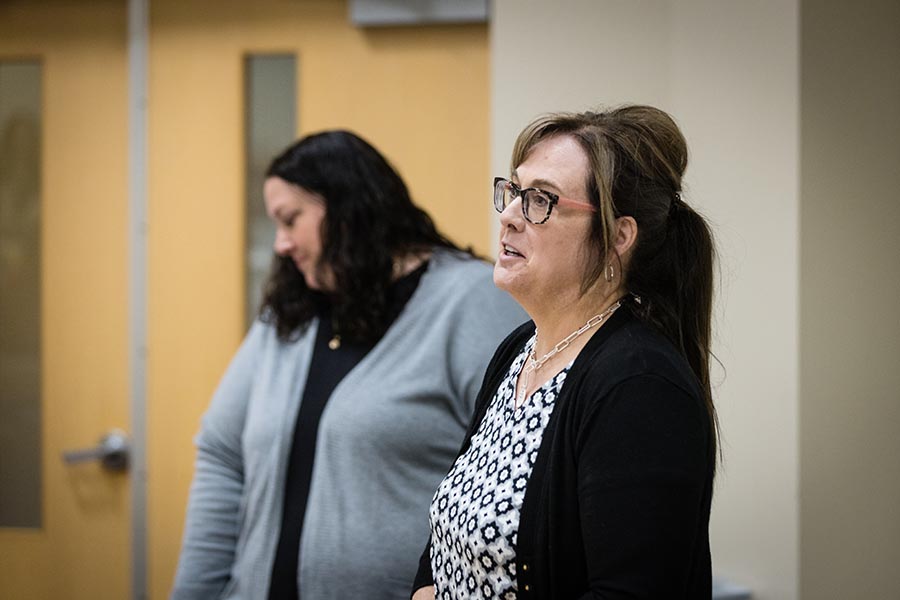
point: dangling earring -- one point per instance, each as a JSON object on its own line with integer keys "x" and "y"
{"x": 610, "y": 272}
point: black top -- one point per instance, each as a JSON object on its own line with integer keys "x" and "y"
{"x": 327, "y": 368}
{"x": 618, "y": 502}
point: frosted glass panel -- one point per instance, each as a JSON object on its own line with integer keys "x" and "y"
{"x": 271, "y": 125}
{"x": 20, "y": 294}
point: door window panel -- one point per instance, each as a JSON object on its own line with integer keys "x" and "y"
{"x": 20, "y": 294}
{"x": 271, "y": 124}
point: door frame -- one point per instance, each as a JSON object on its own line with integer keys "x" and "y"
{"x": 138, "y": 33}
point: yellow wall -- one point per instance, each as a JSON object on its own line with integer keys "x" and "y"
{"x": 419, "y": 94}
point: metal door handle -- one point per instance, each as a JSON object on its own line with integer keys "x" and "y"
{"x": 111, "y": 451}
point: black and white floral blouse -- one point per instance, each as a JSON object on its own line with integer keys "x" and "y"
{"x": 475, "y": 511}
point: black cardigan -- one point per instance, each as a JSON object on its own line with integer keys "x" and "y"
{"x": 618, "y": 503}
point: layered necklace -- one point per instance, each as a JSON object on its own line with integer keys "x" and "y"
{"x": 533, "y": 363}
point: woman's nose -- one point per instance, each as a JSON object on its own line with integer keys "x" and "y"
{"x": 283, "y": 243}
{"x": 512, "y": 216}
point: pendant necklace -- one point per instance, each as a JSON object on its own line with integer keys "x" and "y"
{"x": 533, "y": 364}
{"x": 335, "y": 342}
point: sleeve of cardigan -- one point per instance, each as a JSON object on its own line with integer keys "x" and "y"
{"x": 643, "y": 465}
{"x": 211, "y": 526}
{"x": 424, "y": 576}
{"x": 483, "y": 316}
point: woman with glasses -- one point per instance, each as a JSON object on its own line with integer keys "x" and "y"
{"x": 587, "y": 471}
{"x": 350, "y": 396}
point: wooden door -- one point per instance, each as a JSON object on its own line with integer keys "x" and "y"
{"x": 79, "y": 548}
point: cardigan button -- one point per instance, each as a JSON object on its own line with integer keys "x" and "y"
{"x": 527, "y": 587}
{"x": 524, "y": 567}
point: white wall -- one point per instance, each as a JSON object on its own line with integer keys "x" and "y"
{"x": 728, "y": 72}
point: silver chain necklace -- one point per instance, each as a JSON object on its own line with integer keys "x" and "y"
{"x": 534, "y": 364}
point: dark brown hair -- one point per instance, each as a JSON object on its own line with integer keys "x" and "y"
{"x": 637, "y": 157}
{"x": 369, "y": 221}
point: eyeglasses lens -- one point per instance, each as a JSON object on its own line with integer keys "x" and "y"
{"x": 535, "y": 205}
{"x": 502, "y": 194}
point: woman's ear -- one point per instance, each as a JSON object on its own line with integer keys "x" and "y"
{"x": 625, "y": 238}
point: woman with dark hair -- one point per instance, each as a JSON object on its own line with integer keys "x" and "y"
{"x": 587, "y": 471}
{"x": 349, "y": 397}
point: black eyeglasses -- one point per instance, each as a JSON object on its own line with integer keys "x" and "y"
{"x": 537, "y": 204}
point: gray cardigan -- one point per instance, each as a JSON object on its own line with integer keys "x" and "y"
{"x": 388, "y": 435}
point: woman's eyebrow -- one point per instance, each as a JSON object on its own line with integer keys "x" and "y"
{"x": 539, "y": 182}
{"x": 281, "y": 213}
{"x": 545, "y": 183}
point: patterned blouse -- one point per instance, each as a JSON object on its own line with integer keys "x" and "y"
{"x": 475, "y": 511}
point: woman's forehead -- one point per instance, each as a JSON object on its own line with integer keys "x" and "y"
{"x": 558, "y": 163}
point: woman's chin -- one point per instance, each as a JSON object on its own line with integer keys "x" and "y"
{"x": 312, "y": 282}
{"x": 506, "y": 281}
{"x": 319, "y": 283}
